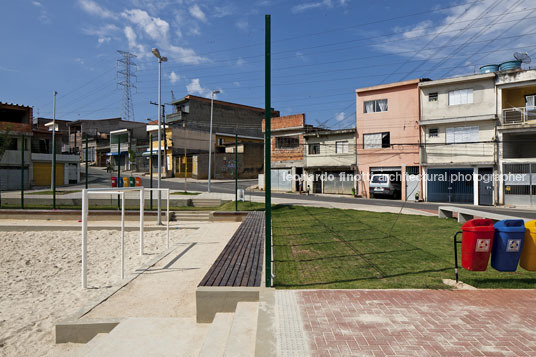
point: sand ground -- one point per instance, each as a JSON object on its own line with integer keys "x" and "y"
{"x": 40, "y": 279}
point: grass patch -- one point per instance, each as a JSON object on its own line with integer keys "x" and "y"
{"x": 348, "y": 249}
{"x": 50, "y": 192}
{"x": 242, "y": 206}
{"x": 185, "y": 193}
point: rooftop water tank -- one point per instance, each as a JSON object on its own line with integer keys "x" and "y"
{"x": 489, "y": 68}
{"x": 510, "y": 65}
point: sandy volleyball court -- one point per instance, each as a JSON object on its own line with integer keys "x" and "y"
{"x": 40, "y": 279}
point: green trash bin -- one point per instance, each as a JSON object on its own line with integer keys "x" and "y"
{"x": 132, "y": 181}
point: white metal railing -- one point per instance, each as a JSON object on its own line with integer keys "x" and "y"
{"x": 519, "y": 115}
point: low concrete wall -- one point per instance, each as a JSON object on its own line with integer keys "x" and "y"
{"x": 213, "y": 299}
{"x": 225, "y": 216}
{"x": 107, "y": 202}
{"x": 82, "y": 332}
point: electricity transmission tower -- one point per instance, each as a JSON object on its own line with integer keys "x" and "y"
{"x": 125, "y": 74}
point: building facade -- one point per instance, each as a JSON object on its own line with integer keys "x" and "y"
{"x": 388, "y": 136}
{"x": 330, "y": 161}
{"x": 516, "y": 136}
{"x": 458, "y": 149}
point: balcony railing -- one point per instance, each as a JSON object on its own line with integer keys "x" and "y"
{"x": 520, "y": 115}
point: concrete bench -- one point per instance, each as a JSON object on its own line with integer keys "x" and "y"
{"x": 465, "y": 214}
{"x": 236, "y": 275}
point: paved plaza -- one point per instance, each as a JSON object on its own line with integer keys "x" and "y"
{"x": 409, "y": 323}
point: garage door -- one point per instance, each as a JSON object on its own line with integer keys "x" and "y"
{"x": 42, "y": 174}
{"x": 341, "y": 184}
{"x": 280, "y": 180}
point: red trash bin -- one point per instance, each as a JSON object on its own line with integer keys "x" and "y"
{"x": 138, "y": 181}
{"x": 114, "y": 181}
{"x": 477, "y": 241}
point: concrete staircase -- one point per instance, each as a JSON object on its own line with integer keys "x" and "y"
{"x": 230, "y": 334}
{"x": 197, "y": 216}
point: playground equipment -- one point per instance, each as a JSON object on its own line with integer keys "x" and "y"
{"x": 120, "y": 192}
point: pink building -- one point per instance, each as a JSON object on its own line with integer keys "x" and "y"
{"x": 388, "y": 135}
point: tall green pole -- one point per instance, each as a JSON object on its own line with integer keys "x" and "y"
{"x": 267, "y": 157}
{"x": 236, "y": 171}
{"x": 119, "y": 181}
{"x": 87, "y": 162}
{"x": 22, "y": 172}
{"x": 54, "y": 153}
{"x": 151, "y": 168}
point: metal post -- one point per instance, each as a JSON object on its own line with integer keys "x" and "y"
{"x": 210, "y": 140}
{"x": 151, "y": 169}
{"x": 84, "y": 238}
{"x": 185, "y": 159}
{"x": 119, "y": 181}
{"x": 87, "y": 160}
{"x": 22, "y": 172}
{"x": 122, "y": 235}
{"x": 267, "y": 158}
{"x": 456, "y": 254}
{"x": 159, "y": 219}
{"x": 54, "y": 152}
{"x": 167, "y": 216}
{"x": 236, "y": 172}
{"x": 142, "y": 207}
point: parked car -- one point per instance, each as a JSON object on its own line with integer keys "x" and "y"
{"x": 383, "y": 185}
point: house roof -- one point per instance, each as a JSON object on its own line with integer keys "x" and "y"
{"x": 16, "y": 105}
{"x": 472, "y": 77}
{"x": 391, "y": 85}
{"x": 331, "y": 132}
{"x": 220, "y": 102}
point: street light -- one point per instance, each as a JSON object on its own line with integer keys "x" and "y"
{"x": 210, "y": 136}
{"x": 161, "y": 59}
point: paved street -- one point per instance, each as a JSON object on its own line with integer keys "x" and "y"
{"x": 100, "y": 177}
{"x": 408, "y": 322}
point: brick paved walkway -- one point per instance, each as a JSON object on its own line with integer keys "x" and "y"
{"x": 419, "y": 322}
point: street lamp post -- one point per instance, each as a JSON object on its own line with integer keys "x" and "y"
{"x": 210, "y": 136}
{"x": 54, "y": 152}
{"x": 160, "y": 60}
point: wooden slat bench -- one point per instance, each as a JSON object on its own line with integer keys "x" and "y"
{"x": 241, "y": 261}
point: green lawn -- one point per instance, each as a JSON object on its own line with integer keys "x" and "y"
{"x": 185, "y": 193}
{"x": 347, "y": 249}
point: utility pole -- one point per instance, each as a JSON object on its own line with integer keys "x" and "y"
{"x": 210, "y": 137}
{"x": 22, "y": 145}
{"x": 125, "y": 74}
{"x": 236, "y": 170}
{"x": 267, "y": 156}
{"x": 151, "y": 168}
{"x": 54, "y": 152}
{"x": 185, "y": 152}
{"x": 87, "y": 160}
{"x": 164, "y": 134}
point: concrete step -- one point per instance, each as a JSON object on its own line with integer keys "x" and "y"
{"x": 242, "y": 337}
{"x": 152, "y": 337}
{"x": 206, "y": 202}
{"x": 216, "y": 340}
{"x": 91, "y": 344}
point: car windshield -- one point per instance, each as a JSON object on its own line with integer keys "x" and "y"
{"x": 379, "y": 179}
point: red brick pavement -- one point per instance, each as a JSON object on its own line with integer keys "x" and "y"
{"x": 419, "y": 322}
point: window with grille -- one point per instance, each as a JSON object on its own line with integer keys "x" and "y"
{"x": 341, "y": 147}
{"x": 314, "y": 149}
{"x": 462, "y": 96}
{"x": 377, "y": 140}
{"x": 433, "y": 132}
{"x": 287, "y": 142}
{"x": 462, "y": 134}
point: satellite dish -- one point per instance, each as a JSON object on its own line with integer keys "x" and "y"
{"x": 522, "y": 56}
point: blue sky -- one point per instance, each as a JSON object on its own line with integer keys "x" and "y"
{"x": 322, "y": 50}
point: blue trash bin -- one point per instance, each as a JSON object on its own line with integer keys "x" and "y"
{"x": 507, "y": 244}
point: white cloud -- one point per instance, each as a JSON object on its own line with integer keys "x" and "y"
{"x": 194, "y": 87}
{"x": 196, "y": 12}
{"x": 311, "y": 5}
{"x": 340, "y": 116}
{"x": 43, "y": 14}
{"x": 104, "y": 33}
{"x": 174, "y": 77}
{"x": 223, "y": 11}
{"x": 242, "y": 25}
{"x": 92, "y": 8}
{"x": 79, "y": 60}
{"x": 236, "y": 84}
{"x": 157, "y": 30}
{"x": 155, "y": 27}
{"x": 240, "y": 61}
{"x": 133, "y": 44}
{"x": 461, "y": 33}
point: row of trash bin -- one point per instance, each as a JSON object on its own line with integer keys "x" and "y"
{"x": 509, "y": 242}
{"x": 126, "y": 181}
